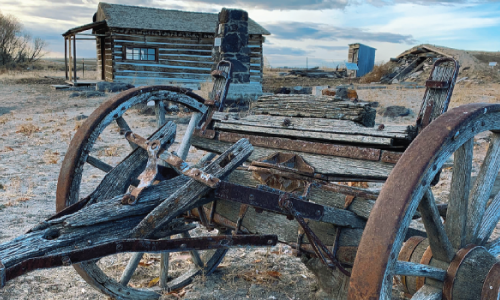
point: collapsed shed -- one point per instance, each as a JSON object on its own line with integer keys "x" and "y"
{"x": 412, "y": 63}
{"x": 363, "y": 56}
{"x": 144, "y": 46}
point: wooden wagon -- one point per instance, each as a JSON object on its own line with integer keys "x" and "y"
{"x": 273, "y": 176}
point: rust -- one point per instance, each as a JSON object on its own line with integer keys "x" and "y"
{"x": 219, "y": 73}
{"x": 345, "y": 254}
{"x": 425, "y": 260}
{"x": 348, "y": 201}
{"x": 371, "y": 154}
{"x": 390, "y": 156}
{"x": 149, "y": 174}
{"x": 267, "y": 200}
{"x": 320, "y": 249}
{"x": 287, "y": 162}
{"x": 79, "y": 143}
{"x": 137, "y": 245}
{"x": 220, "y": 220}
{"x": 389, "y": 211}
{"x": 491, "y": 285}
{"x": 136, "y": 139}
{"x": 436, "y": 84}
{"x": 424, "y": 116}
{"x": 349, "y": 190}
{"x": 406, "y": 252}
{"x": 207, "y": 133}
{"x": 193, "y": 173}
{"x": 241, "y": 216}
{"x": 452, "y": 270}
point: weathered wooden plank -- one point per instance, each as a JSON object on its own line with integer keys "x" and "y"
{"x": 316, "y": 107}
{"x": 140, "y": 66}
{"x": 338, "y": 166}
{"x": 162, "y": 39}
{"x": 201, "y": 58}
{"x": 187, "y": 52}
{"x": 164, "y": 46}
{"x": 324, "y": 136}
{"x": 456, "y": 215}
{"x": 481, "y": 189}
{"x": 318, "y": 125}
{"x": 145, "y": 74}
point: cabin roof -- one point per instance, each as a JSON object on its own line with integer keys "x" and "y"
{"x": 136, "y": 17}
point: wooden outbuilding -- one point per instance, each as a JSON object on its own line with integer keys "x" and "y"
{"x": 145, "y": 46}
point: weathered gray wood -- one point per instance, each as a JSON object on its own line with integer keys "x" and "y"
{"x": 494, "y": 247}
{"x": 438, "y": 240}
{"x": 160, "y": 113}
{"x": 456, "y": 215}
{"x": 130, "y": 167}
{"x": 412, "y": 269}
{"x": 130, "y": 268}
{"x": 404, "y": 132}
{"x": 188, "y": 196}
{"x": 316, "y": 107}
{"x": 428, "y": 292}
{"x": 195, "y": 256}
{"x": 482, "y": 188}
{"x": 335, "y": 166}
{"x": 490, "y": 221}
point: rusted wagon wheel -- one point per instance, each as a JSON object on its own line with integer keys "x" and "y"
{"x": 458, "y": 259}
{"x": 80, "y": 156}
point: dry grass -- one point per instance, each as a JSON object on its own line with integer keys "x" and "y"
{"x": 50, "y": 157}
{"x": 377, "y": 73}
{"x": 27, "y": 129}
{"x": 16, "y": 191}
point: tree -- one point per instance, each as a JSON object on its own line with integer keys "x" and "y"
{"x": 17, "y": 46}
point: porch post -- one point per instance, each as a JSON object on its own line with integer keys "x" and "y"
{"x": 74, "y": 55}
{"x": 66, "y": 56}
{"x": 70, "y": 63}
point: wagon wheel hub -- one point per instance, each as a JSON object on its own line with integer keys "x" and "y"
{"x": 472, "y": 274}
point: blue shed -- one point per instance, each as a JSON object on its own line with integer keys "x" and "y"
{"x": 363, "y": 56}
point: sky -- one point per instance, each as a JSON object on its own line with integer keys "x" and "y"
{"x": 316, "y": 32}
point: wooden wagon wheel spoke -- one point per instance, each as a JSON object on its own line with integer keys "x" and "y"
{"x": 471, "y": 269}
{"x": 482, "y": 188}
{"x": 195, "y": 256}
{"x": 120, "y": 121}
{"x": 490, "y": 220}
{"x": 413, "y": 269}
{"x": 438, "y": 240}
{"x": 456, "y": 215}
{"x": 99, "y": 164}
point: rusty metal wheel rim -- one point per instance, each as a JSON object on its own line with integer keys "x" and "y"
{"x": 70, "y": 178}
{"x": 390, "y": 218}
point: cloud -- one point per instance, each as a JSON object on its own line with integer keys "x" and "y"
{"x": 270, "y": 50}
{"x": 315, "y": 31}
{"x": 331, "y": 48}
{"x": 278, "y": 4}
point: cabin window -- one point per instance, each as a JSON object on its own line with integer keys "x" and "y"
{"x": 136, "y": 53}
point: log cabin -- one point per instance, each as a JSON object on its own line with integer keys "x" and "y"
{"x": 146, "y": 46}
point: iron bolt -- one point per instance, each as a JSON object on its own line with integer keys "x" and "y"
{"x": 318, "y": 213}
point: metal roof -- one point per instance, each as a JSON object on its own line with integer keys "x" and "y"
{"x": 136, "y": 17}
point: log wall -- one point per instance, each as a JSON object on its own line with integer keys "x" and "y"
{"x": 181, "y": 60}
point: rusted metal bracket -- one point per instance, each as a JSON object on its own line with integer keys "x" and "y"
{"x": 286, "y": 162}
{"x": 319, "y": 248}
{"x": 134, "y": 245}
{"x": 193, "y": 173}
{"x": 149, "y": 174}
{"x": 241, "y": 216}
{"x": 266, "y": 200}
{"x": 435, "y": 84}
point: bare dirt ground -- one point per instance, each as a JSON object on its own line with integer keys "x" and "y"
{"x": 37, "y": 124}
